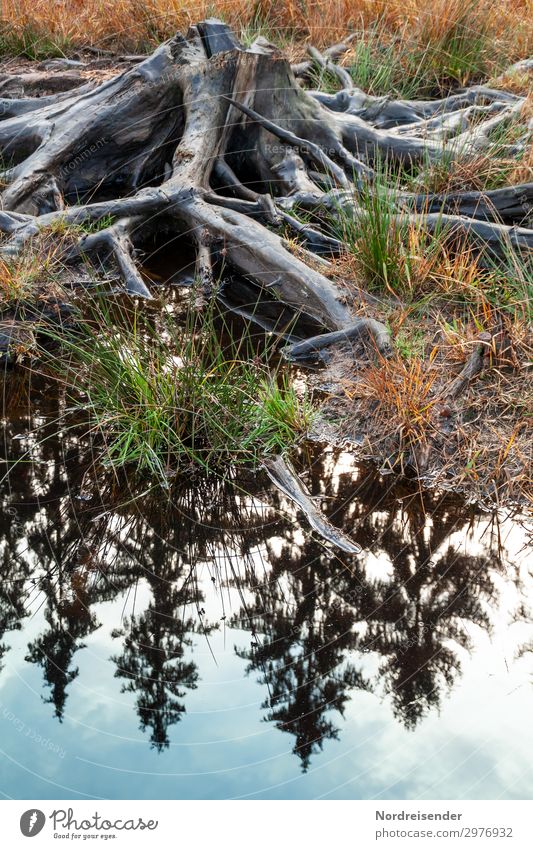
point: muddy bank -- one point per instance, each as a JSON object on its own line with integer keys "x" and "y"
{"x": 395, "y": 278}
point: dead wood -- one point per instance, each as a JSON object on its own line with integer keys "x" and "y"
{"x": 473, "y": 366}
{"x": 285, "y": 478}
{"x": 223, "y": 144}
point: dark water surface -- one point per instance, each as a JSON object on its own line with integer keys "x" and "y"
{"x": 211, "y": 646}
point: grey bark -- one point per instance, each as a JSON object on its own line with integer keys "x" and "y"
{"x": 221, "y": 142}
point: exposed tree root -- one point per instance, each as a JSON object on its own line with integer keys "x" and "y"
{"x": 222, "y": 142}
{"x": 473, "y": 367}
{"x": 363, "y": 328}
{"x": 285, "y": 478}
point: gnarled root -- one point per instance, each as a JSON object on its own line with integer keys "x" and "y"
{"x": 222, "y": 143}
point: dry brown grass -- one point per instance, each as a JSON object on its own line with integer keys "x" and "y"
{"x": 399, "y": 407}
{"x": 34, "y": 274}
{"x": 480, "y": 443}
{"x": 20, "y": 278}
{"x": 517, "y": 82}
{"x": 522, "y": 171}
{"x": 403, "y": 392}
{"x": 476, "y": 174}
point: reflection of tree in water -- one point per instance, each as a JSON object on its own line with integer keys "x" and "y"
{"x": 154, "y": 642}
{"x": 15, "y": 569}
{"x": 69, "y": 621}
{"x": 170, "y": 545}
{"x": 14, "y": 575}
{"x": 152, "y": 661}
{"x": 314, "y": 613}
{"x": 20, "y": 539}
{"x": 434, "y": 594}
{"x": 315, "y": 618}
{"x": 300, "y": 647}
{"x": 66, "y": 553}
{"x": 425, "y": 610}
{"x": 51, "y": 564}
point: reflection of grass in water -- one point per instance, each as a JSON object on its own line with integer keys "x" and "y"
{"x": 163, "y": 398}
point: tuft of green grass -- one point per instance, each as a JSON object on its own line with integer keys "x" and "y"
{"x": 381, "y": 66}
{"x": 460, "y": 52}
{"x": 447, "y": 47}
{"x": 380, "y": 238}
{"x": 95, "y": 226}
{"x": 388, "y": 252}
{"x": 379, "y": 235}
{"x": 410, "y": 344}
{"x": 161, "y": 399}
{"x": 60, "y": 227}
{"x": 31, "y": 42}
{"x": 509, "y": 285}
{"x": 259, "y": 25}
{"x": 28, "y": 276}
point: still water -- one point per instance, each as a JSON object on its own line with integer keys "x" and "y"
{"x": 209, "y": 645}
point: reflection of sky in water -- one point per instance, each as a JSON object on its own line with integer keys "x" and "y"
{"x": 358, "y": 640}
{"x": 479, "y": 747}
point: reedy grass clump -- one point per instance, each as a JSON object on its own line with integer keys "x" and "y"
{"x": 30, "y": 275}
{"x": 403, "y": 392}
{"x": 161, "y": 398}
{"x": 445, "y": 44}
{"x": 376, "y": 66}
{"x": 389, "y": 254}
{"x": 509, "y": 286}
{"x": 389, "y": 251}
{"x": 457, "y": 43}
{"x": 32, "y": 41}
{"x": 373, "y": 233}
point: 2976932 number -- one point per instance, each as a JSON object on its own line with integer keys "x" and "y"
{"x": 487, "y": 832}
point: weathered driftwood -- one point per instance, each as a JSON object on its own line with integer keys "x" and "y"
{"x": 285, "y": 478}
{"x": 33, "y": 82}
{"x": 300, "y": 69}
{"x": 325, "y": 64}
{"x": 509, "y": 205}
{"x": 384, "y": 113}
{"x": 473, "y": 367}
{"x": 367, "y": 329}
{"x": 222, "y": 143}
{"x": 482, "y": 227}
